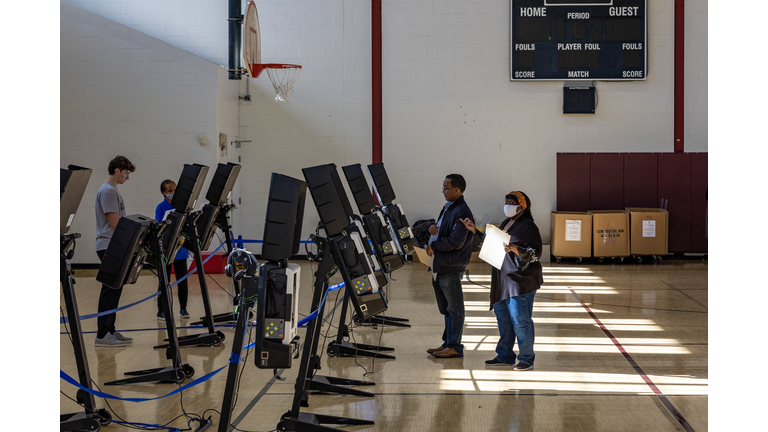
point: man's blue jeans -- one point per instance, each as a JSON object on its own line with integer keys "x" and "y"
{"x": 514, "y": 317}
{"x": 450, "y": 302}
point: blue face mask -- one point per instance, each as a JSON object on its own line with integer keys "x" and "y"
{"x": 169, "y": 196}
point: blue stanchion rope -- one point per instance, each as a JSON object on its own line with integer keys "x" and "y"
{"x": 304, "y": 321}
{"x": 103, "y": 395}
{"x": 64, "y": 320}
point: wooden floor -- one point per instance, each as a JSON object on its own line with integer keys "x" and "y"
{"x": 618, "y": 347}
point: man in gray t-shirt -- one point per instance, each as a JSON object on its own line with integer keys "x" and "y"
{"x": 108, "y": 200}
{"x": 109, "y": 209}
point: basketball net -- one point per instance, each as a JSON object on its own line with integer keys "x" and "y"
{"x": 283, "y": 77}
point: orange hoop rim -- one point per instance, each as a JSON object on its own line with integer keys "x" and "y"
{"x": 258, "y": 68}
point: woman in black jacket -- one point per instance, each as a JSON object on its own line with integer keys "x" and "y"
{"x": 513, "y": 288}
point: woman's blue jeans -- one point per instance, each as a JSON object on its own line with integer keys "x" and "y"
{"x": 514, "y": 317}
{"x": 450, "y": 302}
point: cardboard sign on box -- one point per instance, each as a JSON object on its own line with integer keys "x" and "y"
{"x": 649, "y": 233}
{"x": 571, "y": 234}
{"x": 610, "y": 233}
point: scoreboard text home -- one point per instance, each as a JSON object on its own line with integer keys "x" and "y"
{"x": 561, "y": 40}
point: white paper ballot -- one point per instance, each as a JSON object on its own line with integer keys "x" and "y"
{"x": 424, "y": 258}
{"x": 572, "y": 230}
{"x": 649, "y": 228}
{"x": 492, "y": 251}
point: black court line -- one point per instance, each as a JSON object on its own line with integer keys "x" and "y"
{"x": 683, "y": 293}
{"x": 663, "y": 399}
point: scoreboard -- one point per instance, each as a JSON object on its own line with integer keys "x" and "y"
{"x": 566, "y": 40}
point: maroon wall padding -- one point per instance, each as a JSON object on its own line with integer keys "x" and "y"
{"x": 607, "y": 181}
{"x": 675, "y": 186}
{"x": 699, "y": 163}
{"x": 641, "y": 176}
{"x": 573, "y": 182}
{"x": 592, "y": 181}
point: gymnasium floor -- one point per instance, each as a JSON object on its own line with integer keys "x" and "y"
{"x": 619, "y": 347}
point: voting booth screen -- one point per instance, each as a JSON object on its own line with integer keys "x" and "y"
{"x": 222, "y": 183}
{"x": 329, "y": 197}
{"x": 125, "y": 254}
{"x": 73, "y": 182}
{"x": 188, "y": 187}
{"x": 358, "y": 185}
{"x": 285, "y": 213}
{"x": 381, "y": 184}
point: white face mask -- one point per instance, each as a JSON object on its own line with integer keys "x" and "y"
{"x": 511, "y": 210}
{"x": 169, "y": 196}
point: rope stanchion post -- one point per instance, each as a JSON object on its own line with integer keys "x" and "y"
{"x": 222, "y": 221}
{"x": 90, "y": 419}
{"x": 178, "y": 372}
{"x": 306, "y": 380}
{"x": 248, "y": 277}
{"x": 212, "y": 338}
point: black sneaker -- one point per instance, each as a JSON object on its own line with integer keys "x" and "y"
{"x": 161, "y": 316}
{"x": 494, "y": 362}
{"x": 184, "y": 314}
{"x": 523, "y": 367}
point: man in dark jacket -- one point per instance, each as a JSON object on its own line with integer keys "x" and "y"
{"x": 450, "y": 244}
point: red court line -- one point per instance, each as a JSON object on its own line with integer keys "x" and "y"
{"x": 671, "y": 408}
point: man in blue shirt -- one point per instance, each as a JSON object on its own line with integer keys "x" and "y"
{"x": 179, "y": 265}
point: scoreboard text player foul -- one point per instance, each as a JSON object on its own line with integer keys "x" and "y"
{"x": 561, "y": 40}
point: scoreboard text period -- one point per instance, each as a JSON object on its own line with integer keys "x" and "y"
{"x": 565, "y": 40}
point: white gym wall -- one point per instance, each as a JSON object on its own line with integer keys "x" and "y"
{"x": 144, "y": 79}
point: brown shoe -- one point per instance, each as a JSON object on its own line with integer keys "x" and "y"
{"x": 448, "y": 353}
{"x": 434, "y": 350}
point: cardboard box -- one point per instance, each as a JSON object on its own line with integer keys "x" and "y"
{"x": 571, "y": 234}
{"x": 649, "y": 231}
{"x": 610, "y": 233}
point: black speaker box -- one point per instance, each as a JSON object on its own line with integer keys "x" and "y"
{"x": 330, "y": 198}
{"x": 351, "y": 261}
{"x": 125, "y": 253}
{"x": 285, "y": 214}
{"x": 358, "y": 185}
{"x": 381, "y": 239}
{"x": 222, "y": 182}
{"x": 579, "y": 99}
{"x": 272, "y": 354}
{"x": 400, "y": 225}
{"x": 74, "y": 180}
{"x": 381, "y": 183}
{"x": 188, "y": 187}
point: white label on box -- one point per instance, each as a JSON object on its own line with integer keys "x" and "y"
{"x": 649, "y": 228}
{"x": 71, "y": 218}
{"x": 572, "y": 230}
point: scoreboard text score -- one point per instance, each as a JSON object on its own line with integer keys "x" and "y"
{"x": 563, "y": 40}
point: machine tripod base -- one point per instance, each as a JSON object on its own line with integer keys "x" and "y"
{"x": 78, "y": 422}
{"x": 390, "y": 321}
{"x": 229, "y": 317}
{"x": 205, "y": 339}
{"x": 168, "y": 374}
{"x": 308, "y": 422}
{"x": 348, "y": 349}
{"x": 325, "y": 384}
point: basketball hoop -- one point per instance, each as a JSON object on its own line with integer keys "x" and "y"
{"x": 283, "y": 76}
